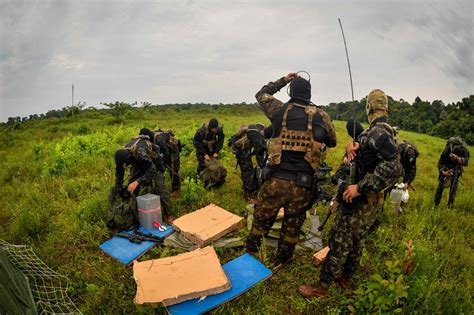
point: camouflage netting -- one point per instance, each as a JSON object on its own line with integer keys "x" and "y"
{"x": 48, "y": 288}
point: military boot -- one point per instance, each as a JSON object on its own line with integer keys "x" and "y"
{"x": 309, "y": 291}
{"x": 344, "y": 281}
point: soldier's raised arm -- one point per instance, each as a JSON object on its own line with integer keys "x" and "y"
{"x": 269, "y": 104}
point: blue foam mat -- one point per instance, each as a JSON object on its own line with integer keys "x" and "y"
{"x": 244, "y": 272}
{"x": 125, "y": 251}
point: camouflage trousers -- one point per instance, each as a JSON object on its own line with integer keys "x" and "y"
{"x": 274, "y": 194}
{"x": 244, "y": 159}
{"x": 158, "y": 187}
{"x": 345, "y": 237}
{"x": 173, "y": 168}
{"x": 452, "y": 191}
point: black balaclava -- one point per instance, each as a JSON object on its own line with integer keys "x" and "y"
{"x": 122, "y": 156}
{"x": 149, "y": 133}
{"x": 300, "y": 90}
{"x": 213, "y": 123}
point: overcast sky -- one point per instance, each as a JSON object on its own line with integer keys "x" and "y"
{"x": 224, "y": 51}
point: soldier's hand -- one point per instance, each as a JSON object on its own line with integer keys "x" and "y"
{"x": 216, "y": 155}
{"x": 290, "y": 76}
{"x": 406, "y": 186}
{"x": 446, "y": 173}
{"x": 131, "y": 188}
{"x": 206, "y": 157}
{"x": 350, "y": 193}
{"x": 351, "y": 150}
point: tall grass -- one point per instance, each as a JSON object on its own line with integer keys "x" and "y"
{"x": 56, "y": 174}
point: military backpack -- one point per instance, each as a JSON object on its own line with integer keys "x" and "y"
{"x": 122, "y": 213}
{"x": 214, "y": 174}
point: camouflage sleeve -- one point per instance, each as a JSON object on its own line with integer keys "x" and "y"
{"x": 388, "y": 170}
{"x": 220, "y": 139}
{"x": 331, "y": 140}
{"x": 146, "y": 163}
{"x": 269, "y": 104}
{"x": 119, "y": 173}
{"x": 465, "y": 158}
{"x": 198, "y": 144}
{"x": 442, "y": 160}
{"x": 409, "y": 172}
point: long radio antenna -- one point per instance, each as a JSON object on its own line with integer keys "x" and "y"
{"x": 350, "y": 77}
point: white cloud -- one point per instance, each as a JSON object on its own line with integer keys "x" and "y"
{"x": 193, "y": 51}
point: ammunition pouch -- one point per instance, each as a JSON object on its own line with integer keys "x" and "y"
{"x": 304, "y": 180}
{"x": 274, "y": 151}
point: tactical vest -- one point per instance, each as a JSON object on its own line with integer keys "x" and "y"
{"x": 132, "y": 146}
{"x": 242, "y": 141}
{"x": 172, "y": 140}
{"x": 209, "y": 143}
{"x": 297, "y": 141}
{"x": 368, "y": 157}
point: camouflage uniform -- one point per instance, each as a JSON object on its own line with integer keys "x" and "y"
{"x": 171, "y": 147}
{"x": 145, "y": 158}
{"x": 281, "y": 189}
{"x": 248, "y": 141}
{"x": 380, "y": 166}
{"x": 408, "y": 155}
{"x": 457, "y": 146}
{"x": 207, "y": 142}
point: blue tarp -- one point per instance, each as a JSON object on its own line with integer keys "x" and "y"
{"x": 125, "y": 251}
{"x": 244, "y": 272}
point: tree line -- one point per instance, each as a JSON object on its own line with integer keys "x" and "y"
{"x": 434, "y": 118}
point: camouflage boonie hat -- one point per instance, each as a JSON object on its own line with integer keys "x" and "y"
{"x": 376, "y": 100}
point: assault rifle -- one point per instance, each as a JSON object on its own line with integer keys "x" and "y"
{"x": 138, "y": 237}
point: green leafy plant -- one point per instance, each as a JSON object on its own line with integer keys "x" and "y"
{"x": 383, "y": 294}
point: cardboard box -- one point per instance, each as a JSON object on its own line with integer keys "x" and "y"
{"x": 207, "y": 224}
{"x": 319, "y": 257}
{"x": 171, "y": 280}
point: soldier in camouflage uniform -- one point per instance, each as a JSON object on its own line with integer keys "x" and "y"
{"x": 377, "y": 155}
{"x": 208, "y": 141}
{"x": 450, "y": 165}
{"x": 145, "y": 176}
{"x": 301, "y": 133}
{"x": 249, "y": 140}
{"x": 408, "y": 155}
{"x": 170, "y": 147}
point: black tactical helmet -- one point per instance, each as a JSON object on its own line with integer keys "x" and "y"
{"x": 213, "y": 123}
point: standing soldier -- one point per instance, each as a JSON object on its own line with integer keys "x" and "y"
{"x": 408, "y": 155}
{"x": 247, "y": 141}
{"x": 450, "y": 165}
{"x": 302, "y": 132}
{"x": 145, "y": 176}
{"x": 171, "y": 148}
{"x": 208, "y": 141}
{"x": 378, "y": 160}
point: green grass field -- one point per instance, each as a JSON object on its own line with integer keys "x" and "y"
{"x": 54, "y": 184}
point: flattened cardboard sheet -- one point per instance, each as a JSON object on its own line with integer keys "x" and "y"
{"x": 207, "y": 224}
{"x": 125, "y": 251}
{"x": 171, "y": 280}
{"x": 319, "y": 257}
{"x": 244, "y": 272}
